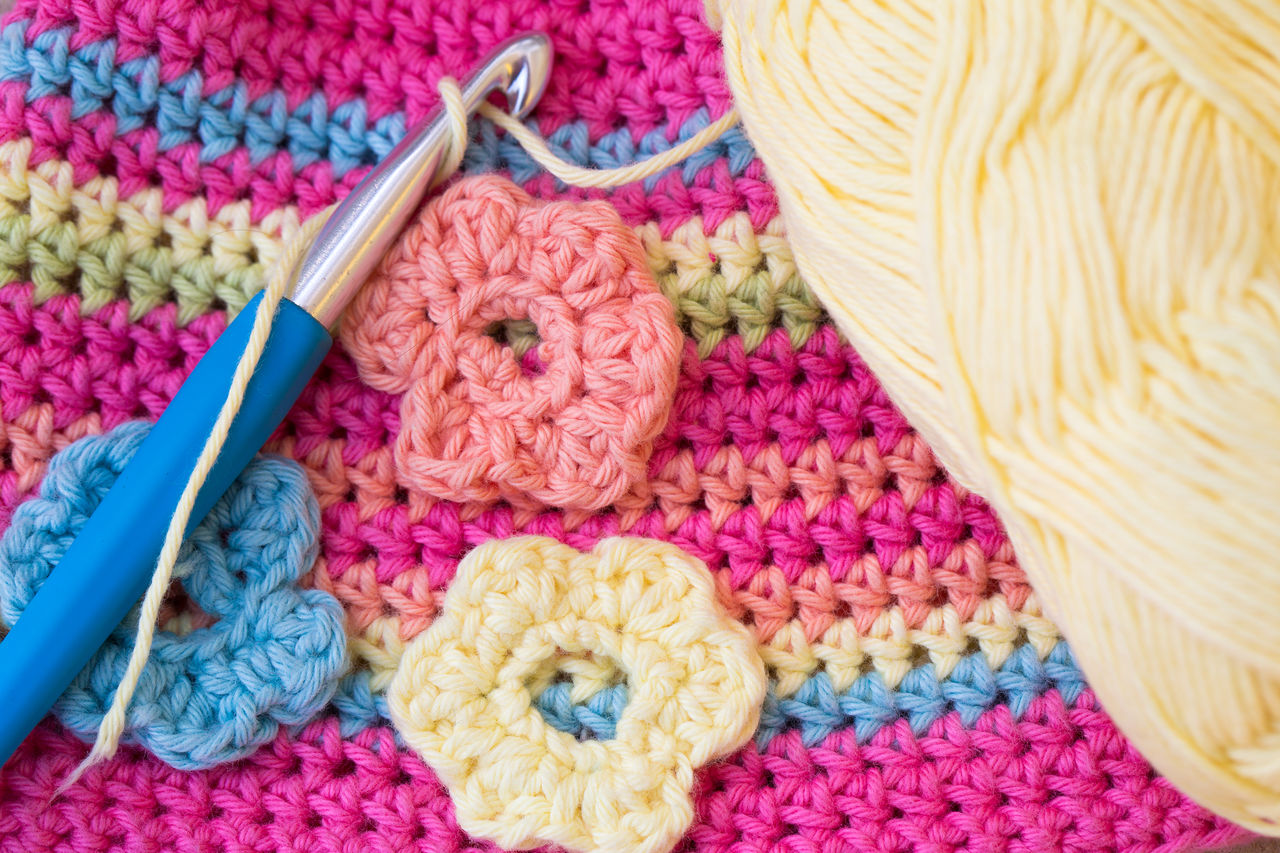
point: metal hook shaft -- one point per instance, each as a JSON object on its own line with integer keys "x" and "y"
{"x": 363, "y": 227}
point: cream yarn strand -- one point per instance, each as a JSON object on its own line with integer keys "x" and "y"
{"x": 536, "y": 147}
{"x": 108, "y": 737}
{"x": 1052, "y": 227}
{"x": 109, "y": 733}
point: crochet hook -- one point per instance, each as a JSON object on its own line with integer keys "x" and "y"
{"x": 108, "y": 566}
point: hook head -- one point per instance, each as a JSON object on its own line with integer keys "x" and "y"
{"x": 530, "y": 69}
{"x": 518, "y": 68}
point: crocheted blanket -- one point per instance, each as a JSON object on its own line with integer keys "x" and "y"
{"x": 153, "y": 158}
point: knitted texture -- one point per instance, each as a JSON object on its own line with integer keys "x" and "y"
{"x": 473, "y": 425}
{"x": 461, "y": 696}
{"x": 917, "y": 698}
{"x": 272, "y": 657}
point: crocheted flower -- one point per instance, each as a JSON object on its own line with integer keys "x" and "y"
{"x": 272, "y": 658}
{"x": 461, "y": 696}
{"x": 474, "y": 426}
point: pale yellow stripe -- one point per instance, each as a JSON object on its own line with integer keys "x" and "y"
{"x": 88, "y": 240}
{"x": 888, "y": 647}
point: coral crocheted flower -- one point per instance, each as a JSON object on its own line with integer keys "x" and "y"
{"x": 272, "y": 658}
{"x": 474, "y": 425}
{"x": 461, "y": 696}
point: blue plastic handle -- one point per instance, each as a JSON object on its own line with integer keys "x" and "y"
{"x": 109, "y": 565}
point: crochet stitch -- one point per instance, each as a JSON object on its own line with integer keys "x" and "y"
{"x": 227, "y": 119}
{"x": 58, "y": 94}
{"x": 826, "y": 525}
{"x": 461, "y": 700}
{"x": 1059, "y": 779}
{"x": 473, "y": 426}
{"x": 274, "y": 654}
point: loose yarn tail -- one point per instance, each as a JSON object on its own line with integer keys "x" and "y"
{"x": 113, "y": 723}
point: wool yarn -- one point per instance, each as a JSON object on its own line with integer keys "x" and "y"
{"x": 1050, "y": 229}
{"x": 269, "y": 654}
{"x": 461, "y": 695}
{"x": 135, "y": 220}
{"x": 474, "y": 426}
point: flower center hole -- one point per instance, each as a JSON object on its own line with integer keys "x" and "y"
{"x": 522, "y": 337}
{"x": 179, "y": 613}
{"x": 580, "y": 693}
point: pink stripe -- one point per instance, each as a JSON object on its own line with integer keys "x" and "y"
{"x": 729, "y": 397}
{"x": 1060, "y": 779}
{"x": 67, "y": 375}
{"x": 643, "y": 65}
{"x": 649, "y": 64}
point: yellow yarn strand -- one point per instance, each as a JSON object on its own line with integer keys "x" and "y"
{"x": 112, "y": 727}
{"x": 109, "y": 733}
{"x": 536, "y": 147}
{"x": 1050, "y": 227}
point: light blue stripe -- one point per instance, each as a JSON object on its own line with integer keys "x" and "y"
{"x": 597, "y": 718}
{"x": 312, "y": 132}
{"x": 816, "y": 709}
{"x": 971, "y": 690}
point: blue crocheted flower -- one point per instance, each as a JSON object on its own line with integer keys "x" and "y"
{"x": 273, "y": 658}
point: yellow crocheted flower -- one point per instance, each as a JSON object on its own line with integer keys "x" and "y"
{"x": 461, "y": 696}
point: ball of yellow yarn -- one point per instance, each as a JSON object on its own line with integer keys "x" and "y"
{"x": 1052, "y": 227}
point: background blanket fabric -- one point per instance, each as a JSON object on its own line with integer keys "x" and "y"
{"x": 155, "y": 154}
